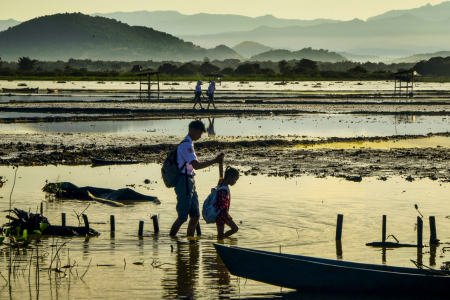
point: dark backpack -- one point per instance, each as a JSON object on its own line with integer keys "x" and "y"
{"x": 170, "y": 171}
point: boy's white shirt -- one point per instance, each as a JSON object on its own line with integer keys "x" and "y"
{"x": 186, "y": 154}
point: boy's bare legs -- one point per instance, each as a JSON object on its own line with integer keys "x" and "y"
{"x": 175, "y": 227}
{"x": 192, "y": 226}
{"x": 233, "y": 230}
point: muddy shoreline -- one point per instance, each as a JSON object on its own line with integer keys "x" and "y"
{"x": 271, "y": 157}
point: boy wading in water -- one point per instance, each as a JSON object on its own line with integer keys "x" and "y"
{"x": 223, "y": 203}
{"x": 187, "y": 198}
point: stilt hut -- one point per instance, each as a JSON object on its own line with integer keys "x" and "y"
{"x": 404, "y": 80}
{"x": 216, "y": 77}
{"x": 146, "y": 79}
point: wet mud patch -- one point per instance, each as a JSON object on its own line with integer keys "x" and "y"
{"x": 271, "y": 157}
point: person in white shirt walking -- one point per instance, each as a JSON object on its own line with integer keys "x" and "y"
{"x": 187, "y": 198}
{"x": 210, "y": 94}
{"x": 198, "y": 95}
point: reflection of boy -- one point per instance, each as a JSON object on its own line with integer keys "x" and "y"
{"x": 211, "y": 132}
{"x": 187, "y": 198}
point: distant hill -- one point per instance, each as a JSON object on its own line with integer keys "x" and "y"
{"x": 221, "y": 52}
{"x": 420, "y": 57}
{"x": 5, "y": 24}
{"x": 308, "y": 53}
{"x": 361, "y": 58}
{"x": 405, "y": 34}
{"x": 198, "y": 24}
{"x": 428, "y": 12}
{"x": 249, "y": 49}
{"x": 64, "y": 36}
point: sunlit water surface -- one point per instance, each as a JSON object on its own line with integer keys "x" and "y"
{"x": 320, "y": 125}
{"x": 296, "y": 215}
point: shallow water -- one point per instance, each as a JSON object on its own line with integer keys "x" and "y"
{"x": 43, "y": 115}
{"x": 322, "y": 125}
{"x": 297, "y": 214}
{"x": 235, "y": 85}
{"x": 435, "y": 141}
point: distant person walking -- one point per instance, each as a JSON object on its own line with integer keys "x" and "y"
{"x": 198, "y": 95}
{"x": 187, "y": 198}
{"x": 210, "y": 94}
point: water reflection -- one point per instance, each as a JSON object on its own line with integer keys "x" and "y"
{"x": 339, "y": 253}
{"x": 211, "y": 131}
{"x": 217, "y": 273}
{"x": 433, "y": 255}
{"x": 324, "y": 125}
{"x": 181, "y": 282}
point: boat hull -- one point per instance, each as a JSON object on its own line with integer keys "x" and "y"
{"x": 24, "y": 90}
{"x": 306, "y": 273}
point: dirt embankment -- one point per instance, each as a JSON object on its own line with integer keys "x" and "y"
{"x": 272, "y": 157}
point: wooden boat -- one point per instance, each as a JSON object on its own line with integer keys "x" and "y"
{"x": 22, "y": 90}
{"x": 52, "y": 90}
{"x": 317, "y": 274}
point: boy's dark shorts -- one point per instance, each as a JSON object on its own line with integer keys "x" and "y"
{"x": 198, "y": 97}
{"x": 187, "y": 204}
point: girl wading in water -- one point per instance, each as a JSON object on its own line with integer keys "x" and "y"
{"x": 223, "y": 203}
{"x": 210, "y": 94}
{"x": 198, "y": 95}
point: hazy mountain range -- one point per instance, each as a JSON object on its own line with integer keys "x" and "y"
{"x": 308, "y": 53}
{"x": 64, "y": 36}
{"x": 402, "y": 35}
{"x": 419, "y": 57}
{"x": 392, "y": 35}
{"x": 199, "y": 24}
{"x": 5, "y": 24}
{"x": 428, "y": 12}
{"x": 249, "y": 49}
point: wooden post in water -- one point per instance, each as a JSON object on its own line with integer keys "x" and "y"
{"x": 198, "y": 229}
{"x": 433, "y": 235}
{"x": 112, "y": 223}
{"x": 384, "y": 229}
{"x": 155, "y": 224}
{"x": 42, "y": 208}
{"x": 141, "y": 228}
{"x": 419, "y": 233}
{"x": 340, "y": 221}
{"x": 339, "y": 249}
{"x": 63, "y": 219}
{"x": 86, "y": 222}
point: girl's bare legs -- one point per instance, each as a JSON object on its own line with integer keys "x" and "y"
{"x": 233, "y": 230}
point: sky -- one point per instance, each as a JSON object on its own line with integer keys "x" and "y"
{"x": 23, "y": 10}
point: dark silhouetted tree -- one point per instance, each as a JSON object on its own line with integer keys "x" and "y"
{"x": 306, "y": 66}
{"x": 246, "y": 69}
{"x": 167, "y": 68}
{"x": 358, "y": 69}
{"x": 26, "y": 64}
{"x": 136, "y": 68}
{"x": 207, "y": 68}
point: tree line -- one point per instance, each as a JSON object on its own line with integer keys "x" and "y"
{"x": 303, "y": 68}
